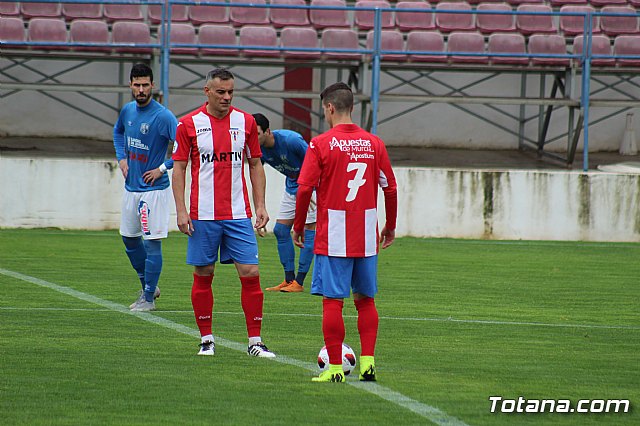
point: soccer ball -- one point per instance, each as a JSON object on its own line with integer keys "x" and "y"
{"x": 348, "y": 359}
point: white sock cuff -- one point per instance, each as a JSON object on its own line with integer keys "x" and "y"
{"x": 207, "y": 338}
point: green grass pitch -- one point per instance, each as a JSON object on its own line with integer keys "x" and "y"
{"x": 460, "y": 321}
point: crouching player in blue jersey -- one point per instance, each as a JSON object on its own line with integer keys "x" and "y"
{"x": 141, "y": 136}
{"x": 284, "y": 150}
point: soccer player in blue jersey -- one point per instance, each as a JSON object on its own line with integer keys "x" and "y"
{"x": 141, "y": 136}
{"x": 284, "y": 150}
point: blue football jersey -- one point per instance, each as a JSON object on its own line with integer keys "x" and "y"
{"x": 142, "y": 135}
{"x": 286, "y": 156}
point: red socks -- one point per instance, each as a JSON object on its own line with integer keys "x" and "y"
{"x": 202, "y": 301}
{"x": 367, "y": 324}
{"x": 333, "y": 328}
{"x": 252, "y": 299}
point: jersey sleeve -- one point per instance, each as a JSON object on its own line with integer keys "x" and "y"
{"x": 253, "y": 145}
{"x": 389, "y": 186}
{"x": 182, "y": 145}
{"x": 118, "y": 138}
{"x": 310, "y": 171}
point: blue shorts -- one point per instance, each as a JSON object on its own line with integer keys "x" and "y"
{"x": 235, "y": 240}
{"x": 335, "y": 277}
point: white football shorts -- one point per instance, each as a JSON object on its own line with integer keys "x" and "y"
{"x": 288, "y": 207}
{"x": 145, "y": 214}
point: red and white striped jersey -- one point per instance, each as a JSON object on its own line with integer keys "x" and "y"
{"x": 346, "y": 165}
{"x": 217, "y": 149}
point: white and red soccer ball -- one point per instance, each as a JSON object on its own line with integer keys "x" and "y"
{"x": 348, "y": 359}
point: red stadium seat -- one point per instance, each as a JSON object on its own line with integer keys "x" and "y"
{"x": 12, "y": 29}
{"x": 217, "y": 34}
{"x": 488, "y": 23}
{"x": 248, "y": 15}
{"x": 627, "y": 45}
{"x": 9, "y": 8}
{"x": 340, "y": 38}
{"x": 425, "y": 41}
{"x": 251, "y": 35}
{"x": 560, "y": 3}
{"x": 363, "y": 19}
{"x": 122, "y": 12}
{"x": 467, "y": 42}
{"x": 519, "y": 2}
{"x": 507, "y": 43}
{"x": 321, "y": 18}
{"x": 89, "y": 31}
{"x": 202, "y": 14}
{"x": 130, "y": 32}
{"x": 600, "y": 45}
{"x": 182, "y": 33}
{"x": 553, "y": 44}
{"x": 179, "y": 13}
{"x": 573, "y": 25}
{"x": 299, "y": 37}
{"x": 448, "y": 22}
{"x": 602, "y": 3}
{"x": 408, "y": 21}
{"x": 40, "y": 10}
{"x": 613, "y": 25}
{"x": 48, "y": 30}
{"x": 389, "y": 40}
{"x": 288, "y": 17}
{"x": 72, "y": 11}
{"x": 530, "y": 24}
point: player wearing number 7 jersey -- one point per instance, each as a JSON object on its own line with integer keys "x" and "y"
{"x": 346, "y": 165}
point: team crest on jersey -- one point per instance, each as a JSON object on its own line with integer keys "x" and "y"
{"x": 235, "y": 133}
{"x": 144, "y": 128}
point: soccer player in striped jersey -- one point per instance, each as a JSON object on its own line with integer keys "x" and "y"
{"x": 346, "y": 165}
{"x": 284, "y": 150}
{"x": 141, "y": 136}
{"x": 217, "y": 138}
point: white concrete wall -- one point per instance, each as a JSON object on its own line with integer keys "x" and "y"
{"x": 538, "y": 205}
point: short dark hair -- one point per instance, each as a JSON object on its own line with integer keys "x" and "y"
{"x": 221, "y": 73}
{"x": 141, "y": 70}
{"x": 339, "y": 95}
{"x": 261, "y": 121}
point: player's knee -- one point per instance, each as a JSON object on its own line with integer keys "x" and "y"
{"x": 131, "y": 243}
{"x": 282, "y": 232}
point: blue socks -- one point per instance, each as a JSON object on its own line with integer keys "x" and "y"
{"x": 146, "y": 258}
{"x": 285, "y": 249}
{"x": 137, "y": 254}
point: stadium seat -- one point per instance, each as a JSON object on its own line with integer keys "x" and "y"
{"x": 179, "y": 13}
{"x": 340, "y": 38}
{"x": 122, "y": 12}
{"x": 48, "y": 30}
{"x": 466, "y": 42}
{"x": 251, "y": 35}
{"x": 627, "y": 45}
{"x": 560, "y": 3}
{"x": 299, "y": 37}
{"x": 635, "y": 3}
{"x": 519, "y": 2}
{"x": 248, "y": 15}
{"x": 600, "y": 45}
{"x": 389, "y": 40}
{"x": 89, "y": 31}
{"x": 72, "y": 11}
{"x": 40, "y": 10}
{"x": 488, "y": 23}
{"x": 425, "y": 41}
{"x": 573, "y": 25}
{"x": 548, "y": 44}
{"x": 408, "y": 21}
{"x": 9, "y": 8}
{"x": 448, "y": 22}
{"x": 613, "y": 25}
{"x": 288, "y": 17}
{"x": 201, "y": 14}
{"x": 217, "y": 34}
{"x": 182, "y": 33}
{"x": 602, "y": 3}
{"x": 363, "y": 19}
{"x": 530, "y": 24}
{"x": 507, "y": 43}
{"x": 320, "y": 18}
{"x": 130, "y": 32}
{"x": 12, "y": 29}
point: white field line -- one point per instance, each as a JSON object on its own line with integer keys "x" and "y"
{"x": 385, "y": 318}
{"x": 431, "y": 413}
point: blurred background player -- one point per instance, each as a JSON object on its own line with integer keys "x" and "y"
{"x": 217, "y": 138}
{"x": 346, "y": 165}
{"x": 141, "y": 135}
{"x": 284, "y": 150}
